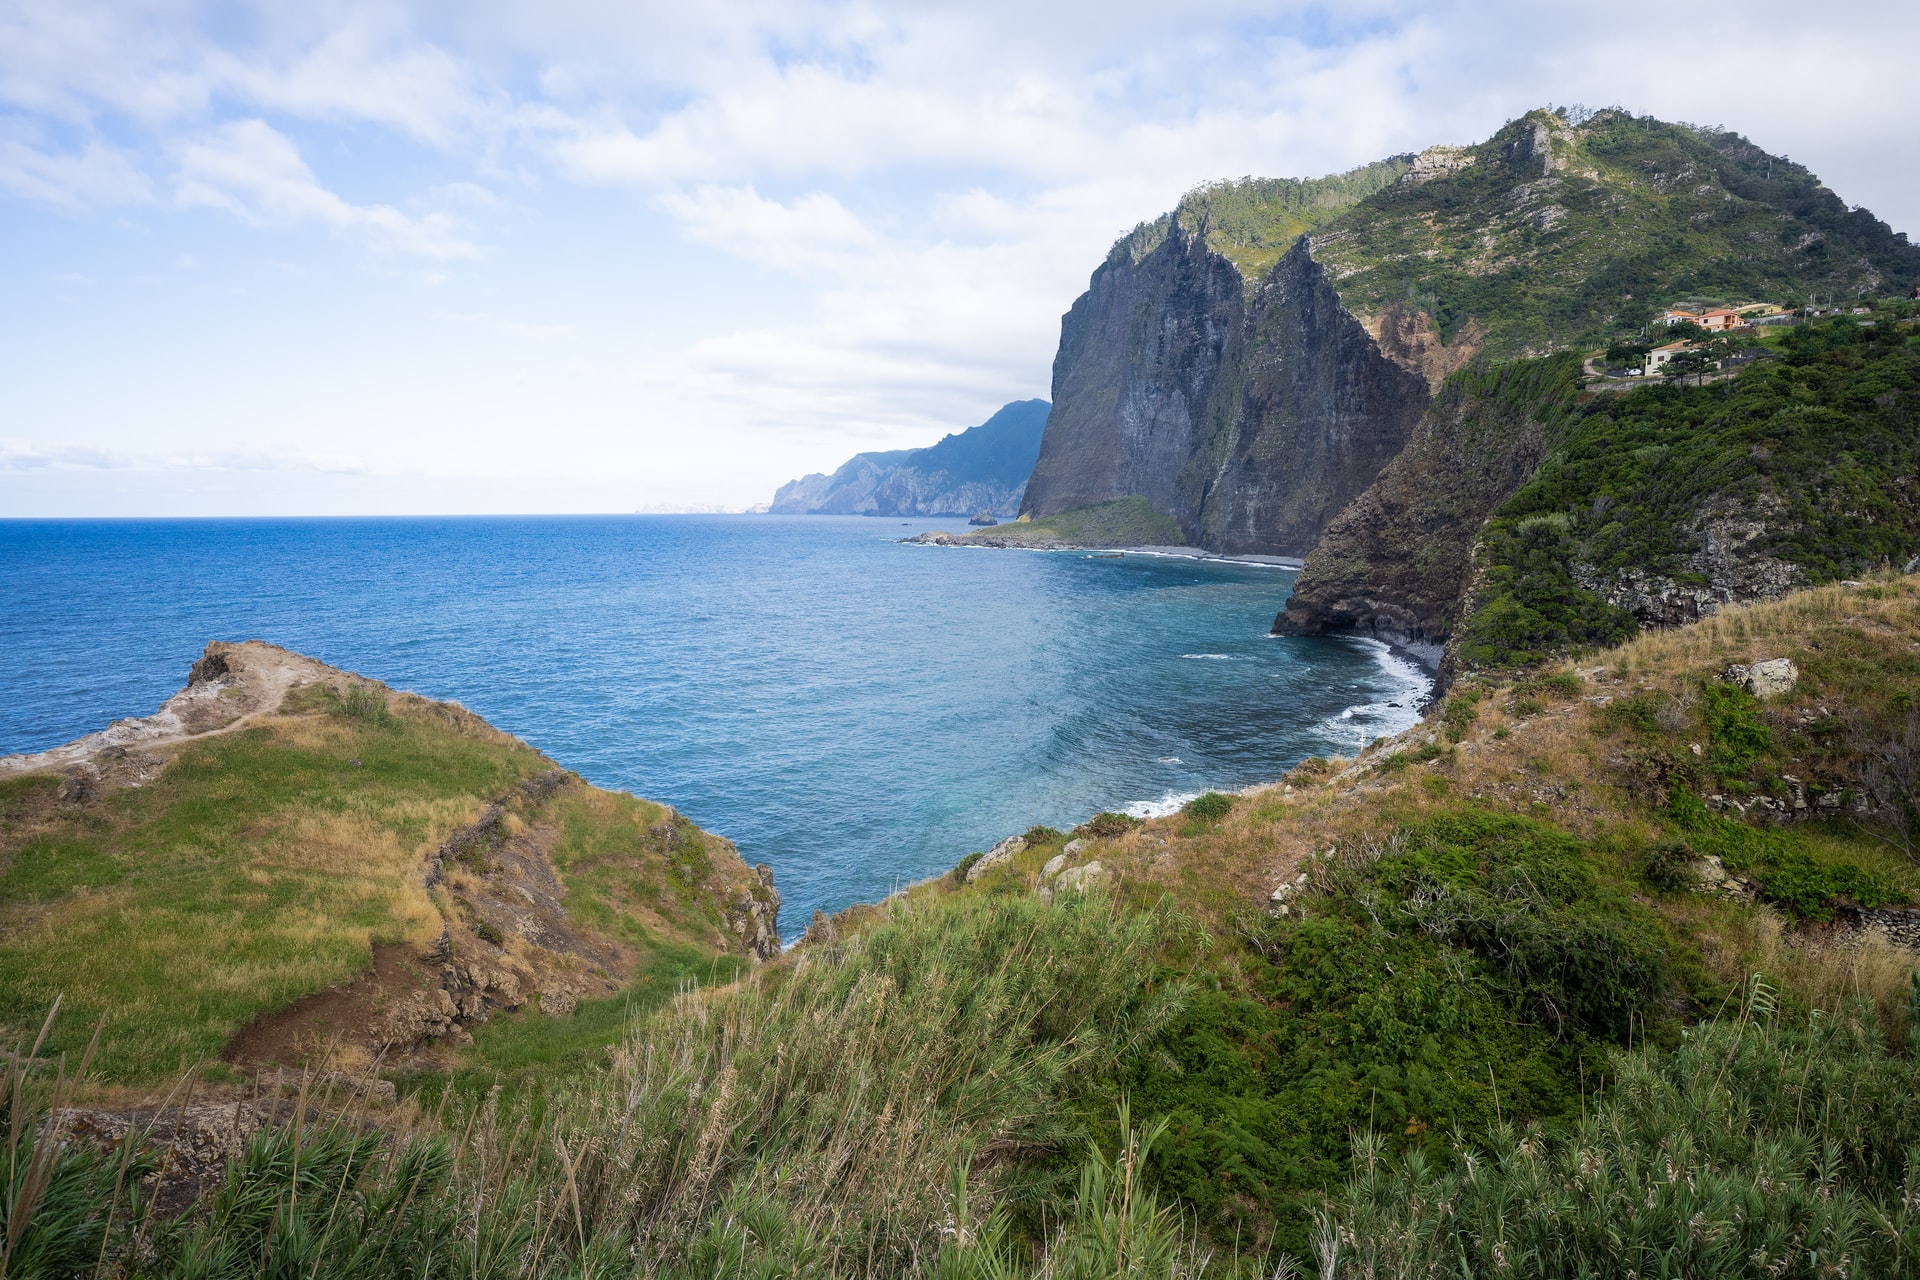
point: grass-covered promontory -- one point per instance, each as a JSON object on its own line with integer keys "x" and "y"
{"x": 1123, "y": 522}
{"x": 183, "y": 888}
{"x": 1482, "y": 1000}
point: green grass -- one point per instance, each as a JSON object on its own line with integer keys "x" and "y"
{"x": 264, "y": 865}
{"x": 1122, "y": 522}
{"x": 260, "y": 866}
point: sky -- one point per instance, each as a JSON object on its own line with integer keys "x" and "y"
{"x": 584, "y": 256}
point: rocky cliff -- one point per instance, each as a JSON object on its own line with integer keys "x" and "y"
{"x": 1254, "y": 392}
{"x": 1251, "y": 420}
{"x": 1395, "y": 562}
{"x": 983, "y": 468}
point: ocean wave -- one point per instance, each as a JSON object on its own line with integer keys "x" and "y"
{"x": 1410, "y": 689}
{"x": 1212, "y": 657}
{"x": 1168, "y": 760}
{"x": 1172, "y": 802}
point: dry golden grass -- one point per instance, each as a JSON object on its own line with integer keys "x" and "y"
{"x": 1545, "y": 754}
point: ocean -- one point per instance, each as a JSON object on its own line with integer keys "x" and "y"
{"x": 857, "y": 713}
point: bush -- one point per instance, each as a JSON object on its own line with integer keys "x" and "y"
{"x": 1210, "y": 807}
{"x": 366, "y": 703}
{"x": 1041, "y": 835}
{"x": 1107, "y": 826}
{"x": 1467, "y": 941}
{"x": 1460, "y": 710}
{"x": 1668, "y": 867}
{"x": 1734, "y": 729}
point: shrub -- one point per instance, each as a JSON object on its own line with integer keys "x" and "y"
{"x": 1210, "y": 807}
{"x": 1466, "y": 941}
{"x": 364, "y": 702}
{"x": 1461, "y": 709}
{"x": 1668, "y": 866}
{"x": 1041, "y": 835}
{"x": 1734, "y": 729}
{"x": 1107, "y": 825}
{"x": 1809, "y": 886}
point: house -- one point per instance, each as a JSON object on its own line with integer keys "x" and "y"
{"x": 1658, "y": 357}
{"x": 1719, "y": 319}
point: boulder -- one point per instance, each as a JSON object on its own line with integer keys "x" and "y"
{"x": 1082, "y": 878}
{"x": 1767, "y": 679}
{"x": 998, "y": 855}
{"x": 1055, "y": 865}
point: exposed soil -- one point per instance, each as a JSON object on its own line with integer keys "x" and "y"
{"x": 340, "y": 1021}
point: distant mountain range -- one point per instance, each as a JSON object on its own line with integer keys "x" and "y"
{"x": 983, "y": 468}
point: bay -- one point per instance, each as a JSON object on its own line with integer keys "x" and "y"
{"x": 855, "y": 712}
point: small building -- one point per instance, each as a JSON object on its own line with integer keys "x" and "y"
{"x": 1659, "y": 356}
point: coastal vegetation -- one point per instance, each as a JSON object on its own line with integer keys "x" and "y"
{"x": 268, "y": 862}
{"x": 1569, "y": 978}
{"x": 1803, "y": 466}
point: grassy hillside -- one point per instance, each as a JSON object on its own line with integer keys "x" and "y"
{"x": 1264, "y": 1033}
{"x": 267, "y": 863}
{"x": 1553, "y": 233}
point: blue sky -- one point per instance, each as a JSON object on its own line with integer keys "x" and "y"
{"x": 578, "y": 256}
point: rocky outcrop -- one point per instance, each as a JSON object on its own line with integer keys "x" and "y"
{"x": 1395, "y": 563}
{"x": 1767, "y": 679}
{"x": 1251, "y": 418}
{"x": 1729, "y": 567}
{"x": 999, "y": 855}
{"x": 753, "y": 914}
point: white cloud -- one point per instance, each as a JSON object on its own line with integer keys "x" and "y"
{"x": 94, "y": 176}
{"x": 515, "y": 328}
{"x": 249, "y": 169}
{"x": 26, "y": 455}
{"x": 907, "y": 197}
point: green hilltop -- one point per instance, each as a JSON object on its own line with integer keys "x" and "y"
{"x": 1556, "y": 231}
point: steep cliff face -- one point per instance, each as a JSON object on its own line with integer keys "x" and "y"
{"x": 1396, "y": 561}
{"x": 1321, "y": 409}
{"x": 1251, "y": 421}
{"x": 1252, "y": 393}
{"x": 1141, "y": 356}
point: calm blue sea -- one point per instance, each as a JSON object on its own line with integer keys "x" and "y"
{"x": 855, "y": 712}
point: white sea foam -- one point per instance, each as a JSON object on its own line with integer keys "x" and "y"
{"x": 1166, "y": 804}
{"x": 1168, "y": 760}
{"x": 1210, "y": 657}
{"x": 1362, "y": 722}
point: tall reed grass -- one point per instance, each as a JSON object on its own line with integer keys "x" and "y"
{"x": 1753, "y": 1149}
{"x": 815, "y": 1119}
